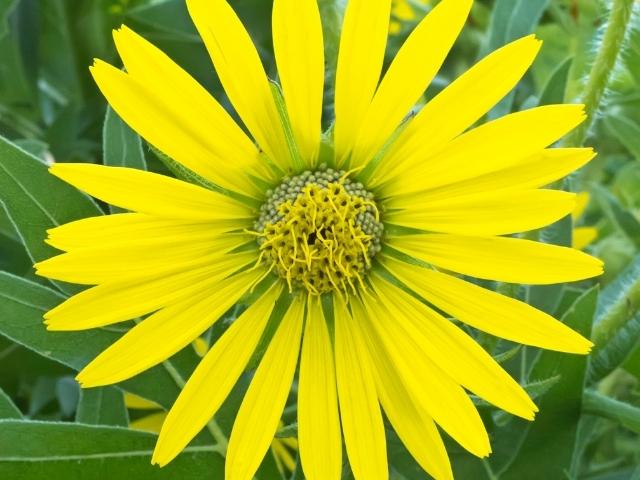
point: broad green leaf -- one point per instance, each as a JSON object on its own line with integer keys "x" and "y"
{"x": 554, "y": 90}
{"x": 22, "y": 304}
{"x": 36, "y": 200}
{"x": 626, "y": 415}
{"x": 8, "y": 408}
{"x": 621, "y": 218}
{"x": 67, "y": 393}
{"x": 626, "y": 130}
{"x": 6, "y": 7}
{"x": 546, "y": 445}
{"x": 102, "y": 406}
{"x": 46, "y": 450}
{"x": 613, "y": 353}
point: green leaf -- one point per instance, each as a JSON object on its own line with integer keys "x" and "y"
{"x": 22, "y": 304}
{"x": 614, "y": 353}
{"x": 548, "y": 443}
{"x": 626, "y": 130}
{"x": 554, "y": 90}
{"x": 617, "y": 304}
{"x": 102, "y": 406}
{"x": 67, "y": 393}
{"x": 7, "y": 407}
{"x": 620, "y": 217}
{"x": 35, "y": 201}
{"x": 602, "y": 406}
{"x": 46, "y": 450}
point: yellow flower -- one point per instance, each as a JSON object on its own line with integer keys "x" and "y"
{"x": 582, "y": 236}
{"x": 404, "y": 11}
{"x": 338, "y": 242}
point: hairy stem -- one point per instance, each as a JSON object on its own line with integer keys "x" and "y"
{"x": 602, "y": 67}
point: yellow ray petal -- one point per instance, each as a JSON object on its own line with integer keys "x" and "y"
{"x": 499, "y": 213}
{"x": 144, "y": 62}
{"x": 413, "y": 425}
{"x": 165, "y": 332}
{"x": 266, "y": 397}
{"x": 214, "y": 378}
{"x": 496, "y": 145}
{"x": 409, "y": 75}
{"x": 241, "y": 73}
{"x": 129, "y": 229}
{"x": 299, "y": 51}
{"x": 489, "y": 311}
{"x": 454, "y": 351}
{"x": 135, "y": 402}
{"x": 362, "y": 45}
{"x": 149, "y": 423}
{"x": 459, "y": 105}
{"x": 581, "y": 204}
{"x": 584, "y": 236}
{"x": 359, "y": 409}
{"x": 176, "y": 129}
{"x": 118, "y": 301}
{"x": 142, "y": 260}
{"x": 149, "y": 193}
{"x": 318, "y": 421}
{"x": 536, "y": 171}
{"x": 501, "y": 258}
{"x": 433, "y": 389}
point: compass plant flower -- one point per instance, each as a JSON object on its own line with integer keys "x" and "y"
{"x": 348, "y": 247}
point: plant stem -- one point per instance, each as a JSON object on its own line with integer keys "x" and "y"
{"x": 602, "y": 67}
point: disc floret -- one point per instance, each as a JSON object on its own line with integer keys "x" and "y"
{"x": 319, "y": 231}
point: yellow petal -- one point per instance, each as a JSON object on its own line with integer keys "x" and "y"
{"x": 581, "y": 204}
{"x": 142, "y": 260}
{"x": 536, "y": 171}
{"x": 454, "y": 351}
{"x": 149, "y": 193}
{"x": 164, "y": 333}
{"x": 299, "y": 51}
{"x": 318, "y": 421}
{"x": 501, "y": 258}
{"x": 121, "y": 230}
{"x": 459, "y": 105}
{"x": 149, "y": 423}
{"x": 241, "y": 73}
{"x": 259, "y": 415}
{"x": 359, "y": 409}
{"x": 118, "y": 301}
{"x": 413, "y": 425}
{"x": 409, "y": 75}
{"x": 432, "y": 388}
{"x": 584, "y": 236}
{"x": 496, "y": 145}
{"x": 176, "y": 129}
{"x": 499, "y": 213}
{"x": 489, "y": 311}
{"x": 136, "y": 402}
{"x": 213, "y": 378}
{"x": 362, "y": 45}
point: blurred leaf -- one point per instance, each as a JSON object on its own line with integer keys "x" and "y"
{"x": 44, "y": 392}
{"x": 121, "y": 146}
{"x": 603, "y": 406}
{"x": 617, "y": 214}
{"x": 36, "y": 201}
{"x": 7, "y": 408}
{"x": 6, "y": 7}
{"x": 67, "y": 393}
{"x": 613, "y": 354}
{"x": 102, "y": 406}
{"x": 548, "y": 443}
{"x": 625, "y": 129}
{"x": 555, "y": 88}
{"x": 47, "y": 450}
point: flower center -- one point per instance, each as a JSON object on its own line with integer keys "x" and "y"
{"x": 319, "y": 231}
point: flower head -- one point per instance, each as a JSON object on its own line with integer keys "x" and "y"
{"x": 346, "y": 245}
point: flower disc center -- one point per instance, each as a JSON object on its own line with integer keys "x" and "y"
{"x": 319, "y": 231}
